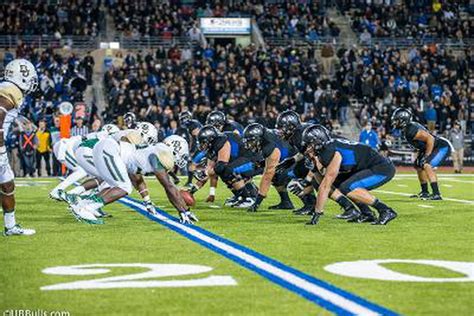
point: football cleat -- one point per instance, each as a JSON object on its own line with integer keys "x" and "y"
{"x": 314, "y": 218}
{"x": 435, "y": 197}
{"x": 305, "y": 210}
{"x": 83, "y": 215}
{"x": 349, "y": 214}
{"x": 244, "y": 202}
{"x": 422, "y": 195}
{"x": 18, "y": 230}
{"x": 231, "y": 201}
{"x": 385, "y": 216}
{"x": 55, "y": 195}
{"x": 363, "y": 218}
{"x": 282, "y": 206}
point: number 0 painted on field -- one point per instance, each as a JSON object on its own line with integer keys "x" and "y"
{"x": 371, "y": 269}
{"x": 136, "y": 280}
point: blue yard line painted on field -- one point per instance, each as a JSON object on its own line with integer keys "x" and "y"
{"x": 339, "y": 301}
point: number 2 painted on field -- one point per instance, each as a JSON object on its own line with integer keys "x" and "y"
{"x": 136, "y": 280}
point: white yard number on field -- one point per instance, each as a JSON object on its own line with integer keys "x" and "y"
{"x": 371, "y": 269}
{"x": 136, "y": 280}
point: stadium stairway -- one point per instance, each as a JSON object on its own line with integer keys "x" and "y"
{"x": 347, "y": 37}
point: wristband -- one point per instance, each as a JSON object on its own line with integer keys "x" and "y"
{"x": 259, "y": 199}
{"x": 212, "y": 191}
{"x": 147, "y": 198}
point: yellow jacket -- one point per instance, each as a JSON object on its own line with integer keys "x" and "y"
{"x": 44, "y": 141}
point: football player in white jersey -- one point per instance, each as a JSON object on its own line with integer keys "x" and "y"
{"x": 121, "y": 165}
{"x": 20, "y": 79}
{"x": 65, "y": 151}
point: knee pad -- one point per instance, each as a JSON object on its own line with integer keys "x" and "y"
{"x": 281, "y": 179}
{"x": 224, "y": 172}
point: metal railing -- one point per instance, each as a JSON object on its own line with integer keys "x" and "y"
{"x": 91, "y": 43}
{"x": 297, "y": 41}
{"x": 45, "y": 41}
{"x": 401, "y": 43}
{"x": 148, "y": 42}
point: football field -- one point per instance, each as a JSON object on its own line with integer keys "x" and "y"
{"x": 238, "y": 263}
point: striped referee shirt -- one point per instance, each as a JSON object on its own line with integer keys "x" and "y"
{"x": 81, "y": 131}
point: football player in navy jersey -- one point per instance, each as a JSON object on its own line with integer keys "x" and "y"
{"x": 268, "y": 148}
{"x": 188, "y": 129}
{"x": 228, "y": 160}
{"x": 353, "y": 168}
{"x": 219, "y": 120}
{"x": 291, "y": 129}
{"x": 432, "y": 151}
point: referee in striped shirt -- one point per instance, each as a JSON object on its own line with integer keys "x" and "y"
{"x": 79, "y": 129}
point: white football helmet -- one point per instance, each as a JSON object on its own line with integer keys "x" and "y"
{"x": 110, "y": 129}
{"x": 23, "y": 74}
{"x": 148, "y": 132}
{"x": 180, "y": 149}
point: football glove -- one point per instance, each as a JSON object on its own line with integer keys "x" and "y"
{"x": 285, "y": 164}
{"x": 191, "y": 188}
{"x": 297, "y": 186}
{"x": 3, "y": 157}
{"x": 187, "y": 217}
{"x": 150, "y": 207}
{"x": 314, "y": 218}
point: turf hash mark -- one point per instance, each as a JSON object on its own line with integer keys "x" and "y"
{"x": 315, "y": 290}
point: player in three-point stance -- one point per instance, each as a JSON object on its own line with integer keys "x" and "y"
{"x": 353, "y": 168}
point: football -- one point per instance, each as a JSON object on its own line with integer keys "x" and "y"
{"x": 188, "y": 197}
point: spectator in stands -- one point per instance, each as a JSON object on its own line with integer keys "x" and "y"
{"x": 43, "y": 148}
{"x": 369, "y": 136}
{"x": 28, "y": 144}
{"x": 431, "y": 117}
{"x": 55, "y": 137}
{"x": 456, "y": 137}
{"x": 89, "y": 67}
{"x": 79, "y": 129}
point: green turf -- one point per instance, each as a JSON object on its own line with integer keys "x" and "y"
{"x": 443, "y": 232}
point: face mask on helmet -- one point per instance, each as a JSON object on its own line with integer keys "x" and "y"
{"x": 148, "y": 133}
{"x": 216, "y": 119}
{"x": 184, "y": 118}
{"x": 252, "y": 143}
{"x": 23, "y": 74}
{"x": 110, "y": 129}
{"x": 129, "y": 119}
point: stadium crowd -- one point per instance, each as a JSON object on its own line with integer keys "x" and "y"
{"x": 73, "y": 17}
{"x": 412, "y": 19}
{"x": 248, "y": 84}
{"x": 294, "y": 19}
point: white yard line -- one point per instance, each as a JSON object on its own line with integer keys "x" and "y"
{"x": 471, "y": 202}
{"x": 425, "y": 206}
